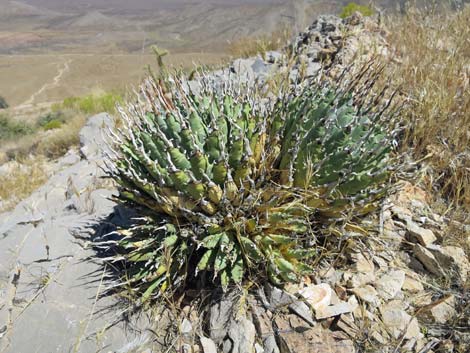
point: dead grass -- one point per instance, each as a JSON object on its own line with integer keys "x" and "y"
{"x": 59, "y": 141}
{"x": 433, "y": 47}
{"x": 249, "y": 46}
{"x": 22, "y": 179}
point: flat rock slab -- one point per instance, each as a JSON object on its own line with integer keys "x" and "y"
{"x": 48, "y": 291}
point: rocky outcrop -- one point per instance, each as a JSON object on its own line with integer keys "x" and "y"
{"x": 48, "y": 292}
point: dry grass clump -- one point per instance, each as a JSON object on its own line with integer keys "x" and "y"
{"x": 249, "y": 46}
{"x": 434, "y": 71}
{"x": 58, "y": 142}
{"x": 21, "y": 180}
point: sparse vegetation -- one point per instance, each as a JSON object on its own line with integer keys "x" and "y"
{"x": 245, "y": 47}
{"x": 90, "y": 104}
{"x": 23, "y": 178}
{"x": 353, "y": 7}
{"x": 11, "y": 129}
{"x": 434, "y": 73}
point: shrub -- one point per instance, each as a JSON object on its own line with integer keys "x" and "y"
{"x": 3, "y": 103}
{"x": 230, "y": 187}
{"x": 352, "y": 7}
{"x": 53, "y": 124}
{"x": 57, "y": 116}
{"x": 11, "y": 129}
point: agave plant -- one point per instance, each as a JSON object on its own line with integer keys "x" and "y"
{"x": 233, "y": 186}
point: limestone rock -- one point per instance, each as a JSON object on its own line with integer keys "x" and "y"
{"x": 276, "y": 298}
{"x": 221, "y": 317}
{"x": 325, "y": 312}
{"x": 242, "y": 335}
{"x": 273, "y": 57}
{"x": 390, "y": 284}
{"x": 398, "y": 322}
{"x": 367, "y": 294}
{"x": 453, "y": 259}
{"x": 423, "y": 236}
{"x": 92, "y": 138}
{"x": 428, "y": 260}
{"x": 317, "y": 295}
{"x": 303, "y": 311}
{"x": 354, "y": 280}
{"x": 441, "y": 311}
{"x": 208, "y": 345}
{"x": 318, "y": 340}
{"x": 412, "y": 285}
{"x": 40, "y": 239}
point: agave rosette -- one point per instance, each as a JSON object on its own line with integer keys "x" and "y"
{"x": 232, "y": 185}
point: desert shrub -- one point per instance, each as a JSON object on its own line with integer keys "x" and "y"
{"x": 56, "y": 115}
{"x": 53, "y": 124}
{"x": 230, "y": 187}
{"x": 3, "y": 103}
{"x": 11, "y": 129}
{"x": 352, "y": 7}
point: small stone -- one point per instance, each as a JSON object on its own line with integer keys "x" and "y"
{"x": 270, "y": 345}
{"x": 277, "y": 298}
{"x": 333, "y": 310}
{"x": 303, "y": 311}
{"x": 452, "y": 258}
{"x": 402, "y": 213}
{"x": 354, "y": 280}
{"x": 367, "y": 294}
{"x": 208, "y": 345}
{"x": 441, "y": 311}
{"x": 317, "y": 296}
{"x": 398, "y": 322}
{"x": 262, "y": 321}
{"x": 242, "y": 336}
{"x": 313, "y": 69}
{"x": 428, "y": 260}
{"x": 317, "y": 340}
{"x": 259, "y": 67}
{"x": 423, "y": 236}
{"x": 362, "y": 264}
{"x": 258, "y": 348}
{"x": 186, "y": 327}
{"x": 421, "y": 299}
{"x": 346, "y": 323}
{"x": 412, "y": 285}
{"x": 273, "y": 57}
{"x": 390, "y": 284}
